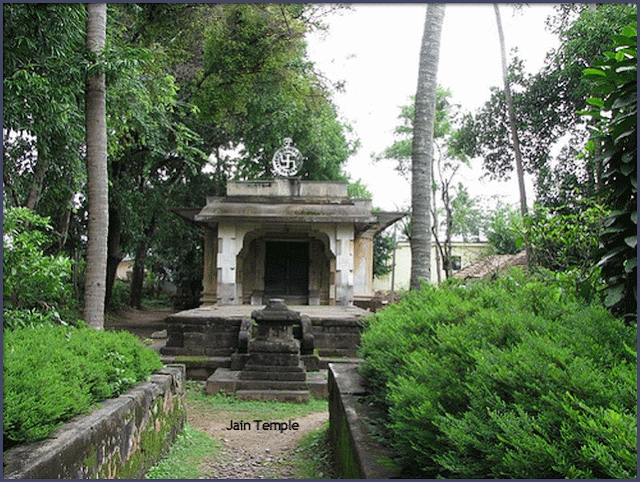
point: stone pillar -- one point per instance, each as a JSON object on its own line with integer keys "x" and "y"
{"x": 344, "y": 264}
{"x": 363, "y": 264}
{"x": 229, "y": 245}
{"x": 210, "y": 272}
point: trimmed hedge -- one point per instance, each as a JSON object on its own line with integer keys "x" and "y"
{"x": 52, "y": 373}
{"x": 515, "y": 378}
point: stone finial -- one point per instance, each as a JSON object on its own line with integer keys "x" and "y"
{"x": 276, "y": 310}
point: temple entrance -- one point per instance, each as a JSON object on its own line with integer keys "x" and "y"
{"x": 286, "y": 270}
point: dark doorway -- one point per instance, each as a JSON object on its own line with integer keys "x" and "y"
{"x": 286, "y": 270}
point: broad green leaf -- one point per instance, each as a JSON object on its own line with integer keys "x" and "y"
{"x": 592, "y": 71}
{"x": 614, "y": 295}
{"x": 590, "y": 145}
{"x": 630, "y": 265}
{"x": 595, "y": 101}
{"x": 611, "y": 254}
{"x": 631, "y": 241}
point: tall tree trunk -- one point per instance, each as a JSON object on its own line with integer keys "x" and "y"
{"x": 447, "y": 230}
{"x": 38, "y": 177}
{"x": 434, "y": 225}
{"x": 114, "y": 255}
{"x": 137, "y": 278}
{"x": 422, "y": 150}
{"x": 97, "y": 181}
{"x": 65, "y": 221}
{"x": 512, "y": 116}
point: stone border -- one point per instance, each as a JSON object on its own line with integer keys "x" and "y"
{"x": 121, "y": 439}
{"x": 357, "y": 454}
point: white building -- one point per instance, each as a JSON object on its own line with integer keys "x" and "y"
{"x": 463, "y": 255}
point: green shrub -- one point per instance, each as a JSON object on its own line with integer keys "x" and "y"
{"x": 565, "y": 237}
{"x": 504, "y": 229}
{"x": 119, "y": 296}
{"x": 52, "y": 373}
{"x": 34, "y": 283}
{"x": 517, "y": 378}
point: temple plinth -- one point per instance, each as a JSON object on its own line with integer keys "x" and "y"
{"x": 273, "y": 367}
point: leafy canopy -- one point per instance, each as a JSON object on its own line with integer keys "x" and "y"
{"x": 614, "y": 107}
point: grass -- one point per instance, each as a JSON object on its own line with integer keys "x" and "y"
{"x": 259, "y": 409}
{"x": 191, "y": 448}
{"x": 162, "y": 300}
{"x": 313, "y": 458}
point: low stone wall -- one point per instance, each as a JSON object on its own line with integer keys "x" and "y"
{"x": 358, "y": 455}
{"x": 121, "y": 439}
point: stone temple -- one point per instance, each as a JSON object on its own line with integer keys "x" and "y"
{"x": 304, "y": 242}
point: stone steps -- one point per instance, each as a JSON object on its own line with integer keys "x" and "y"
{"x": 271, "y": 385}
{"x": 299, "y": 396}
{"x": 285, "y": 376}
{"x": 229, "y": 381}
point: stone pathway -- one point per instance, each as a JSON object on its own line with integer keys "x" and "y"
{"x": 251, "y": 454}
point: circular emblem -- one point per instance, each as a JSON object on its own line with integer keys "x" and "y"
{"x": 287, "y": 160}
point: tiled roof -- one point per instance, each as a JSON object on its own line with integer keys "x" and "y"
{"x": 491, "y": 264}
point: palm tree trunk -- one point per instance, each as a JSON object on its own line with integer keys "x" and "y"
{"x": 97, "y": 181}
{"x": 512, "y": 117}
{"x": 422, "y": 151}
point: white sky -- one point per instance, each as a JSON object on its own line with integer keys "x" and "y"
{"x": 375, "y": 48}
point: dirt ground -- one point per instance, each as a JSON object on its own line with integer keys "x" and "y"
{"x": 245, "y": 454}
{"x": 142, "y": 323}
{"x": 251, "y": 454}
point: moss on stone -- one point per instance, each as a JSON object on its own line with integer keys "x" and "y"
{"x": 154, "y": 443}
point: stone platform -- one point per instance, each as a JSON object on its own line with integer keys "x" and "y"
{"x": 204, "y": 339}
{"x": 230, "y": 381}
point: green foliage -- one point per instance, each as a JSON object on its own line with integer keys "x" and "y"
{"x": 257, "y": 87}
{"x": 444, "y": 133}
{"x": 504, "y": 230}
{"x": 358, "y": 190}
{"x": 615, "y": 106}
{"x": 119, "y": 296}
{"x": 546, "y": 106}
{"x": 383, "y": 246}
{"x": 23, "y": 318}
{"x": 314, "y": 457}
{"x": 467, "y": 217}
{"x": 43, "y": 79}
{"x": 32, "y": 281}
{"x": 53, "y": 373}
{"x": 517, "y": 378}
{"x": 185, "y": 458}
{"x": 564, "y": 238}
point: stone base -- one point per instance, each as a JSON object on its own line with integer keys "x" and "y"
{"x": 298, "y": 396}
{"x": 229, "y": 381}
